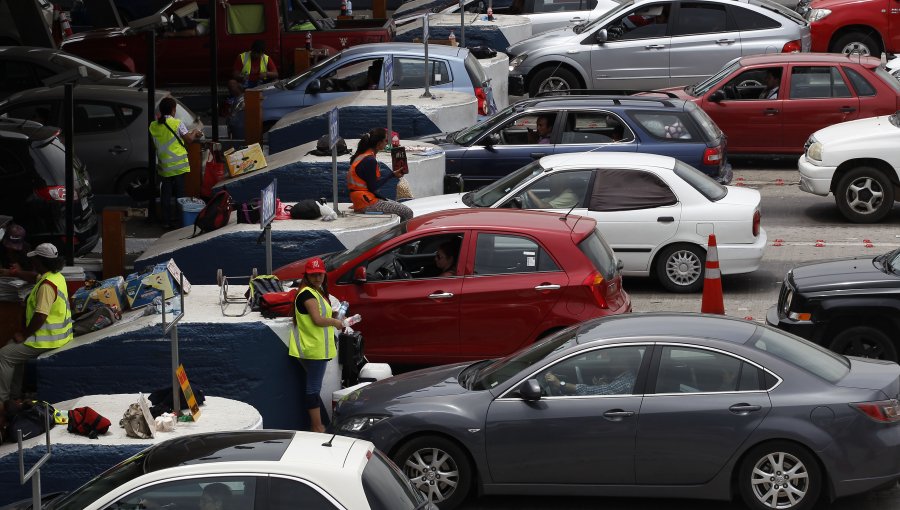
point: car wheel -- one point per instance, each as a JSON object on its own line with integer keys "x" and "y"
{"x": 132, "y": 179}
{"x": 553, "y": 81}
{"x": 679, "y": 267}
{"x": 856, "y": 42}
{"x": 865, "y": 342}
{"x": 437, "y": 467}
{"x": 864, "y": 195}
{"x": 780, "y": 475}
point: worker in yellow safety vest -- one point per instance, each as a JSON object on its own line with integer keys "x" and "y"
{"x": 170, "y": 137}
{"x": 48, "y": 319}
{"x": 250, "y": 69}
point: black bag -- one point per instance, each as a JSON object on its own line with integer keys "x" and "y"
{"x": 162, "y": 400}
{"x": 216, "y": 213}
{"x": 30, "y": 419}
{"x": 306, "y": 209}
{"x": 482, "y": 52}
{"x": 323, "y": 147}
{"x": 94, "y": 319}
{"x": 249, "y": 212}
{"x": 261, "y": 285}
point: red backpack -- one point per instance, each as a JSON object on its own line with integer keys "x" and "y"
{"x": 87, "y": 422}
{"x": 215, "y": 214}
{"x": 278, "y": 304}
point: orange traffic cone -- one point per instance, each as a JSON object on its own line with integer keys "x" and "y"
{"x": 713, "y": 301}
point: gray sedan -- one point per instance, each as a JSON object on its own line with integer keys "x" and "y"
{"x": 658, "y": 405}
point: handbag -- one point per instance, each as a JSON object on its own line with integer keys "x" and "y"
{"x": 249, "y": 212}
{"x": 213, "y": 172}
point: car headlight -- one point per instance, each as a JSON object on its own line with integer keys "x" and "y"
{"x": 817, "y": 14}
{"x": 786, "y": 308}
{"x": 517, "y": 60}
{"x": 359, "y": 423}
{"x": 814, "y": 151}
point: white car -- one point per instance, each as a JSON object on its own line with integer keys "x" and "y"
{"x": 270, "y": 469}
{"x": 655, "y": 212}
{"x": 859, "y": 162}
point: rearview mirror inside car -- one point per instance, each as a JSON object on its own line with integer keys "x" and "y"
{"x": 717, "y": 96}
{"x": 530, "y": 390}
{"x": 314, "y": 87}
{"x": 359, "y": 274}
{"x": 601, "y": 36}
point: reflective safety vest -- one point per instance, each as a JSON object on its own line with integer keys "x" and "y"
{"x": 309, "y": 341}
{"x": 359, "y": 192}
{"x": 172, "y": 155}
{"x": 57, "y": 329}
{"x": 246, "y": 59}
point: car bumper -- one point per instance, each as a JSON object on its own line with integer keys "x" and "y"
{"x": 803, "y": 329}
{"x": 742, "y": 258}
{"x": 516, "y": 85}
{"x": 882, "y": 459}
{"x": 815, "y": 179}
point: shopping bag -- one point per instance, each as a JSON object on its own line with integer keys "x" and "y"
{"x": 212, "y": 174}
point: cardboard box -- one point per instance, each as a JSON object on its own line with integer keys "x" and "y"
{"x": 110, "y": 292}
{"x": 161, "y": 280}
{"x": 245, "y": 160}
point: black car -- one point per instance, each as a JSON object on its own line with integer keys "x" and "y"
{"x": 849, "y": 305}
{"x": 33, "y": 185}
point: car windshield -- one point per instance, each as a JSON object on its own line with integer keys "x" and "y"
{"x": 780, "y": 9}
{"x": 891, "y": 79}
{"x": 606, "y": 17}
{"x": 503, "y": 369}
{"x": 891, "y": 261}
{"x": 802, "y": 353}
{"x": 701, "y": 182}
{"x": 94, "y": 72}
{"x": 490, "y": 194}
{"x": 386, "y": 488}
{"x": 292, "y": 82}
{"x": 342, "y": 257}
{"x": 895, "y": 119}
{"x": 470, "y": 134}
{"x": 703, "y": 87}
{"x": 113, "y": 477}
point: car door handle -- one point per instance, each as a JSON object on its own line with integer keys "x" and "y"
{"x": 118, "y": 149}
{"x": 576, "y": 18}
{"x": 770, "y": 111}
{"x": 744, "y": 408}
{"x": 617, "y": 414}
{"x": 440, "y": 295}
{"x": 547, "y": 286}
{"x": 538, "y": 155}
{"x": 725, "y": 41}
{"x": 847, "y": 109}
{"x": 665, "y": 219}
{"x": 655, "y": 47}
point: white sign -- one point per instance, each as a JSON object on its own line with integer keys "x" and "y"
{"x": 267, "y": 204}
{"x": 332, "y": 128}
{"x": 148, "y": 416}
{"x": 388, "y": 72}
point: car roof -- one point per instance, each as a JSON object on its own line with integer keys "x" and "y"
{"x": 804, "y": 58}
{"x": 95, "y": 92}
{"x": 604, "y": 101}
{"x": 501, "y": 219}
{"x": 666, "y": 324}
{"x": 411, "y": 49}
{"x": 608, "y": 159}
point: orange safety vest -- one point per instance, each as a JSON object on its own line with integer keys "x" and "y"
{"x": 359, "y": 192}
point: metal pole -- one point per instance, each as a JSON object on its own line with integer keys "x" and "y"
{"x": 214, "y": 69}
{"x": 334, "y": 179}
{"x": 462, "y": 24}
{"x": 269, "y": 248}
{"x": 69, "y": 121}
{"x": 151, "y": 117}
{"x": 427, "y": 67}
{"x": 390, "y": 118}
{"x": 172, "y": 327}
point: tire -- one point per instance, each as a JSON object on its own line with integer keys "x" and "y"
{"x": 856, "y": 42}
{"x": 778, "y": 459}
{"x": 417, "y": 461}
{"x": 864, "y": 195}
{"x": 865, "y": 342}
{"x": 133, "y": 176}
{"x": 680, "y": 267}
{"x": 553, "y": 81}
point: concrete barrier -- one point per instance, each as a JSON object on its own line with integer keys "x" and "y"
{"x": 499, "y": 34}
{"x": 412, "y": 115}
{"x": 76, "y": 459}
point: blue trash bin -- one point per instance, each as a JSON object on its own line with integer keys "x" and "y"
{"x": 190, "y": 208}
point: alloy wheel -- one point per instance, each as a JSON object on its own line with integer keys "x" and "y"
{"x": 856, "y": 47}
{"x": 433, "y": 471}
{"x": 555, "y": 85}
{"x": 683, "y": 267}
{"x": 780, "y": 480}
{"x": 864, "y": 195}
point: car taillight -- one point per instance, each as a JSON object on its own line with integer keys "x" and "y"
{"x": 791, "y": 46}
{"x": 482, "y": 101}
{"x": 54, "y": 193}
{"x": 595, "y": 282}
{"x": 712, "y": 156}
{"x": 885, "y": 411}
{"x": 756, "y": 217}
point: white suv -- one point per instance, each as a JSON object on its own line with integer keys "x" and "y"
{"x": 857, "y": 161}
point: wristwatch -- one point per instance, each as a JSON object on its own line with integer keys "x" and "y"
{"x": 562, "y": 384}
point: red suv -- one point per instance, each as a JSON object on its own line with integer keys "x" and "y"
{"x": 845, "y": 26}
{"x": 519, "y": 276}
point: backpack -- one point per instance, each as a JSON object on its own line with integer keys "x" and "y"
{"x": 30, "y": 419}
{"x": 306, "y": 209}
{"x": 278, "y": 304}
{"x": 323, "y": 146}
{"x": 87, "y": 422}
{"x": 94, "y": 319}
{"x": 134, "y": 423}
{"x": 248, "y": 212}
{"x": 216, "y": 213}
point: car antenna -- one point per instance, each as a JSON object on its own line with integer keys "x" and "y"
{"x": 569, "y": 212}
{"x": 328, "y": 443}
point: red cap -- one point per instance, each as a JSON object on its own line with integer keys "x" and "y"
{"x": 315, "y": 265}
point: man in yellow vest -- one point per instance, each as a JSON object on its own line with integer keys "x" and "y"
{"x": 48, "y": 319}
{"x": 170, "y": 136}
{"x": 251, "y": 68}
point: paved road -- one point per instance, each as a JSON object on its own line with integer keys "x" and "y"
{"x": 800, "y": 219}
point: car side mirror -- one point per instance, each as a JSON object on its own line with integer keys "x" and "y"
{"x": 717, "y": 96}
{"x": 601, "y": 36}
{"x": 491, "y": 140}
{"x": 530, "y": 390}
{"x": 314, "y": 87}
{"x": 620, "y": 265}
{"x": 359, "y": 274}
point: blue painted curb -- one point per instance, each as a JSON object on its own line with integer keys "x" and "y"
{"x": 489, "y": 36}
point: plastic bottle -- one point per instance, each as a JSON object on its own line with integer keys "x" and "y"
{"x": 343, "y": 7}
{"x": 452, "y": 38}
{"x": 349, "y": 8}
{"x": 309, "y": 41}
{"x": 342, "y": 310}
{"x": 353, "y": 319}
{"x": 490, "y": 14}
{"x": 395, "y": 138}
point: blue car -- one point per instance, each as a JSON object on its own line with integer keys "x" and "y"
{"x": 360, "y": 68}
{"x": 509, "y": 140}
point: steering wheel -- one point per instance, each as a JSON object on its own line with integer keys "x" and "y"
{"x": 400, "y": 272}
{"x": 546, "y": 389}
{"x": 750, "y": 83}
{"x": 527, "y": 202}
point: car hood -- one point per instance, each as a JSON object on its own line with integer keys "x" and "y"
{"x": 427, "y": 205}
{"x": 420, "y": 385}
{"x": 843, "y": 274}
{"x": 860, "y": 130}
{"x": 544, "y": 40}
{"x": 830, "y": 4}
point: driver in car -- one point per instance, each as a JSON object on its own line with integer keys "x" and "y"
{"x": 624, "y": 364}
{"x": 562, "y": 194}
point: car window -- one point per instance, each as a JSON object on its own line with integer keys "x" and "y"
{"x": 556, "y": 6}
{"x": 751, "y": 20}
{"x": 600, "y": 254}
{"x": 16, "y": 76}
{"x": 701, "y": 88}
{"x": 710, "y": 129}
{"x": 594, "y": 127}
{"x": 409, "y": 73}
{"x": 312, "y": 71}
{"x": 801, "y": 353}
{"x": 419, "y": 258}
{"x": 704, "y": 184}
{"x": 130, "y": 113}
{"x": 812, "y": 82}
{"x": 610, "y": 371}
{"x": 475, "y": 71}
{"x": 503, "y": 369}
{"x": 490, "y": 194}
{"x": 510, "y": 254}
{"x": 666, "y": 126}
{"x": 523, "y": 130}
{"x": 340, "y": 258}
{"x": 290, "y": 494}
{"x": 700, "y": 18}
{"x": 760, "y": 83}
{"x": 893, "y": 80}
{"x": 607, "y": 193}
{"x": 204, "y": 493}
{"x": 560, "y": 190}
{"x": 95, "y": 118}
{"x": 356, "y": 75}
{"x": 862, "y": 85}
{"x": 67, "y": 60}
{"x": 691, "y": 370}
{"x": 386, "y": 488}
{"x": 647, "y": 21}
{"x": 45, "y": 112}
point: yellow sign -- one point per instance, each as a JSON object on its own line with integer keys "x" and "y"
{"x": 188, "y": 393}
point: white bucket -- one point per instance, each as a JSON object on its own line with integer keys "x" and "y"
{"x": 375, "y": 372}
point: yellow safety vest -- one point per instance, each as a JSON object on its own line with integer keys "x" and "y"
{"x": 173, "y": 158}
{"x": 309, "y": 341}
{"x": 57, "y": 329}
{"x": 246, "y": 59}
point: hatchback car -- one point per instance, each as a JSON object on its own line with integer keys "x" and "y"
{"x": 661, "y": 405}
{"x": 360, "y": 68}
{"x": 649, "y": 44}
{"x": 655, "y": 212}
{"x": 519, "y": 276}
{"x": 25, "y": 67}
{"x": 33, "y": 186}
{"x": 265, "y": 469}
{"x": 814, "y": 90}
{"x": 508, "y": 141}
{"x": 110, "y": 128}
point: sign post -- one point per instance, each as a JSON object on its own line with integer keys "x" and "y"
{"x": 462, "y": 24}
{"x": 266, "y": 216}
{"x": 427, "y": 67}
{"x": 332, "y": 141}
{"x": 388, "y": 85}
{"x": 171, "y": 328}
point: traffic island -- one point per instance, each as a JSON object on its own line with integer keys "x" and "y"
{"x": 498, "y": 35}
{"x": 411, "y": 115}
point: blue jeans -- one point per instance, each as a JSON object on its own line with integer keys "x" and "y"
{"x": 315, "y": 374}
{"x": 172, "y": 188}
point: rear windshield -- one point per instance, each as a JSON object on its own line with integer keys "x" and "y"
{"x": 600, "y": 254}
{"x": 891, "y": 79}
{"x": 476, "y": 72}
{"x": 380, "y": 480}
{"x": 668, "y": 125}
{"x": 780, "y": 9}
{"x": 802, "y": 353}
{"x": 94, "y": 72}
{"x": 700, "y": 182}
{"x": 710, "y": 130}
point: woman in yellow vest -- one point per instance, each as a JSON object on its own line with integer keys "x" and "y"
{"x": 170, "y": 137}
{"x": 312, "y": 339}
{"x": 48, "y": 319}
{"x": 364, "y": 178}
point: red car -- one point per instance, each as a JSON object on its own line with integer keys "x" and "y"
{"x": 772, "y": 103}
{"x": 843, "y": 26}
{"x": 520, "y": 275}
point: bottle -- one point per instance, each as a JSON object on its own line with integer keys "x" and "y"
{"x": 349, "y": 8}
{"x": 490, "y": 14}
{"x": 395, "y": 138}
{"x": 343, "y": 7}
{"x": 353, "y": 319}
{"x": 309, "y": 41}
{"x": 342, "y": 310}
{"x": 452, "y": 38}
